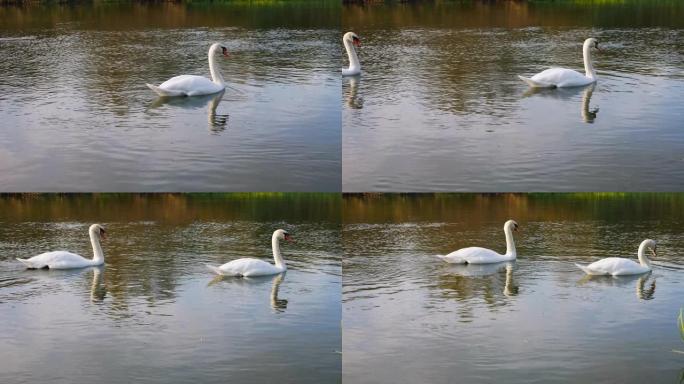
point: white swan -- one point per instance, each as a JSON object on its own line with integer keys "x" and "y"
{"x": 563, "y": 77}
{"x": 618, "y": 266}
{"x": 191, "y": 85}
{"x": 350, "y": 40}
{"x": 68, "y": 260}
{"x": 254, "y": 267}
{"x": 477, "y": 255}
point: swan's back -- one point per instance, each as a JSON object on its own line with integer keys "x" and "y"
{"x": 56, "y": 260}
{"x": 474, "y": 255}
{"x": 615, "y": 266}
{"x": 190, "y": 85}
{"x": 562, "y": 77}
{"x": 248, "y": 267}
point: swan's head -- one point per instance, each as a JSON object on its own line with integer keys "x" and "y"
{"x": 98, "y": 231}
{"x": 511, "y": 224}
{"x": 216, "y": 47}
{"x": 591, "y": 43}
{"x": 352, "y": 38}
{"x": 282, "y": 234}
{"x": 651, "y": 246}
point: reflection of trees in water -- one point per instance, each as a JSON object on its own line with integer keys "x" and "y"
{"x": 49, "y": 216}
{"x": 494, "y": 284}
{"x": 475, "y": 209}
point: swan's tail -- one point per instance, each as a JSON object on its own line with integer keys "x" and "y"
{"x": 586, "y": 269}
{"x": 535, "y": 84}
{"x": 214, "y": 269}
{"x": 452, "y": 260}
{"x": 162, "y": 92}
{"x": 27, "y": 263}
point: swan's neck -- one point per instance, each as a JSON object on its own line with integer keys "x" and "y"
{"x": 351, "y": 53}
{"x": 588, "y": 67}
{"x": 510, "y": 244}
{"x": 98, "y": 255}
{"x": 277, "y": 257}
{"x": 643, "y": 259}
{"x": 216, "y": 76}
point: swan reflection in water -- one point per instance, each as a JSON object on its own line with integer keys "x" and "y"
{"x": 277, "y": 304}
{"x": 644, "y": 291}
{"x": 482, "y": 270}
{"x": 354, "y": 101}
{"x": 75, "y": 277}
{"x": 98, "y": 291}
{"x": 217, "y": 122}
{"x": 588, "y": 114}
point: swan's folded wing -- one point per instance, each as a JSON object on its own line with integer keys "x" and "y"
{"x": 214, "y": 269}
{"x": 534, "y": 83}
{"x": 587, "y": 270}
{"x": 28, "y": 263}
{"x": 162, "y": 92}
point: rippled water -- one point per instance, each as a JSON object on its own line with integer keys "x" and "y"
{"x": 439, "y": 106}
{"x": 77, "y": 115}
{"x": 409, "y": 317}
{"x": 154, "y": 313}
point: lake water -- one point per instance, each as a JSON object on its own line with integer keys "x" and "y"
{"x": 409, "y": 317}
{"x": 76, "y": 114}
{"x": 154, "y": 313}
{"x": 439, "y": 106}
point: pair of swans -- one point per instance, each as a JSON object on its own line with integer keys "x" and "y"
{"x": 242, "y": 267}
{"x": 550, "y": 78}
{"x": 614, "y": 266}
{"x": 191, "y": 85}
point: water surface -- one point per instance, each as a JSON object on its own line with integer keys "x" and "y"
{"x": 409, "y": 317}
{"x": 439, "y": 106}
{"x": 77, "y": 115}
{"x": 154, "y": 313}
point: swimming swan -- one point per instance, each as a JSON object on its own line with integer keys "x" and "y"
{"x": 254, "y": 267}
{"x": 618, "y": 266}
{"x": 350, "y": 40}
{"x": 68, "y": 260}
{"x": 191, "y": 85}
{"x": 563, "y": 77}
{"x": 477, "y": 255}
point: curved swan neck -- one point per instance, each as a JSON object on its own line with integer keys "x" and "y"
{"x": 351, "y": 53}
{"x": 98, "y": 255}
{"x": 510, "y": 243}
{"x": 643, "y": 259}
{"x": 588, "y": 67}
{"x": 277, "y": 257}
{"x": 216, "y": 76}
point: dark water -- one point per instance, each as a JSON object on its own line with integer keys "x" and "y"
{"x": 77, "y": 115}
{"x": 409, "y": 317}
{"x": 154, "y": 313}
{"x": 439, "y": 106}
